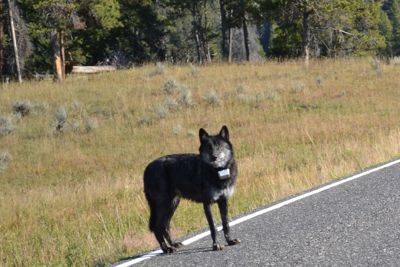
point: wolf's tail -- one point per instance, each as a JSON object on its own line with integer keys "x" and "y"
{"x": 152, "y": 220}
{"x": 149, "y": 190}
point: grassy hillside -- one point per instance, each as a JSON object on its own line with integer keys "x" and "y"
{"x": 71, "y": 168}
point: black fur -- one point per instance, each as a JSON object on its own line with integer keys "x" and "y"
{"x": 194, "y": 177}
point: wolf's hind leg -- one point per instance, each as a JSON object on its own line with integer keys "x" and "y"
{"x": 164, "y": 245}
{"x": 161, "y": 234}
{"x": 167, "y": 236}
{"x": 167, "y": 233}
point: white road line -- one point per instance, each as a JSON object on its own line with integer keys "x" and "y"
{"x": 260, "y": 212}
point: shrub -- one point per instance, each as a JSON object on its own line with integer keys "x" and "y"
{"x": 91, "y": 124}
{"x": 160, "y": 112}
{"x": 319, "y": 80}
{"x": 75, "y": 126}
{"x": 272, "y": 94}
{"x": 376, "y": 66}
{"x": 394, "y": 60}
{"x": 185, "y": 97}
{"x": 170, "y": 104}
{"x": 146, "y": 119}
{"x": 6, "y": 125}
{"x": 170, "y": 86}
{"x": 177, "y": 129}
{"x": 212, "y": 98}
{"x": 5, "y": 159}
{"x": 240, "y": 90}
{"x": 25, "y": 107}
{"x": 297, "y": 88}
{"x": 160, "y": 68}
{"x": 22, "y": 107}
{"x": 61, "y": 119}
{"x": 194, "y": 70}
{"x": 191, "y": 133}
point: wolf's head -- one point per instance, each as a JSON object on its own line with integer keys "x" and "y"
{"x": 216, "y": 150}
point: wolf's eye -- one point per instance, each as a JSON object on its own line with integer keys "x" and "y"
{"x": 206, "y": 147}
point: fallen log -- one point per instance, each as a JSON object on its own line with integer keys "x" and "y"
{"x": 92, "y": 69}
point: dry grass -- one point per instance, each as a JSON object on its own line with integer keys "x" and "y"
{"x": 74, "y": 196}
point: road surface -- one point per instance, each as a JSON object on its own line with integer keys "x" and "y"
{"x": 353, "y": 223}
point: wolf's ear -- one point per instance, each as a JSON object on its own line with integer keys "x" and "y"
{"x": 224, "y": 133}
{"x": 203, "y": 135}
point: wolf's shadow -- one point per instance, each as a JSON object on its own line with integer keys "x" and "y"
{"x": 182, "y": 251}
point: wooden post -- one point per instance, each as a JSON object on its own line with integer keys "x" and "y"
{"x": 14, "y": 40}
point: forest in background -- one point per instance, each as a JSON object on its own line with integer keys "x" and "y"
{"x": 50, "y": 36}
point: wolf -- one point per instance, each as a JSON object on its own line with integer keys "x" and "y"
{"x": 208, "y": 177}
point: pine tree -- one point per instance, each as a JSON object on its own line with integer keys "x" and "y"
{"x": 386, "y": 30}
{"x": 392, "y": 9}
{"x": 331, "y": 28}
{"x": 52, "y": 21}
{"x": 139, "y": 38}
{"x": 201, "y": 16}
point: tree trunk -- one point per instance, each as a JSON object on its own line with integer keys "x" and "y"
{"x": 62, "y": 54}
{"x": 230, "y": 44}
{"x": 224, "y": 26}
{"x": 196, "y": 32}
{"x": 306, "y": 35}
{"x": 199, "y": 57}
{"x": 2, "y": 61}
{"x": 206, "y": 46}
{"x": 209, "y": 54}
{"x": 246, "y": 38}
{"x": 14, "y": 41}
{"x": 57, "y": 55}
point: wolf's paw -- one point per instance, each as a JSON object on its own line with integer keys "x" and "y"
{"x": 233, "y": 242}
{"x": 218, "y": 246}
{"x": 177, "y": 244}
{"x": 169, "y": 250}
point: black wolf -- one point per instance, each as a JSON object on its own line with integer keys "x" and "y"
{"x": 207, "y": 178}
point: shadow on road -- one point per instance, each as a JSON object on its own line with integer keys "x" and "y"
{"x": 182, "y": 251}
{"x": 192, "y": 251}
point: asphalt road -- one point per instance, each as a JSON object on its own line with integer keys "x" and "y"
{"x": 354, "y": 224}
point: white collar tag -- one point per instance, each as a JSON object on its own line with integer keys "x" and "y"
{"x": 224, "y": 174}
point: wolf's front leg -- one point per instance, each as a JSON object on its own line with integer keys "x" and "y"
{"x": 223, "y": 209}
{"x": 207, "y": 210}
